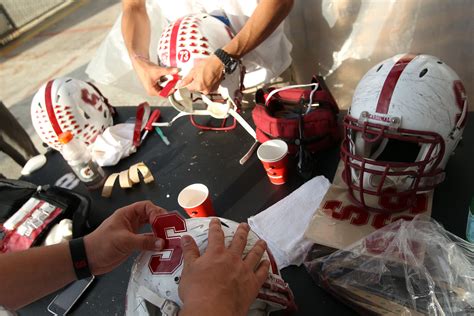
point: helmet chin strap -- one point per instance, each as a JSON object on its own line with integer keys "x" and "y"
{"x": 220, "y": 110}
{"x": 167, "y": 307}
{"x": 181, "y": 101}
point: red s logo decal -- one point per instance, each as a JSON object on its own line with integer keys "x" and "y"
{"x": 170, "y": 258}
{"x": 89, "y": 98}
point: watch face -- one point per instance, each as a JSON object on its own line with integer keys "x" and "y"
{"x": 232, "y": 65}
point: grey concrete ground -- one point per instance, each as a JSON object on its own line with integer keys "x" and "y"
{"x": 63, "y": 47}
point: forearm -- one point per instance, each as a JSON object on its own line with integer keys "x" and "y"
{"x": 29, "y": 275}
{"x": 136, "y": 28}
{"x": 264, "y": 20}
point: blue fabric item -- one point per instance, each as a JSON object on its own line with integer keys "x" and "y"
{"x": 223, "y": 19}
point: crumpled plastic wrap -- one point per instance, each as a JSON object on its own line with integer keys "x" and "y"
{"x": 406, "y": 268}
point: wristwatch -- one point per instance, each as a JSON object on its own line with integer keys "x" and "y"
{"x": 230, "y": 63}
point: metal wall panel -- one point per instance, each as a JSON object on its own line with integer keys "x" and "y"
{"x": 24, "y": 11}
{"x": 342, "y": 39}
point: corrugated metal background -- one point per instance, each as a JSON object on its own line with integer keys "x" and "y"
{"x": 343, "y": 39}
{"x": 22, "y": 12}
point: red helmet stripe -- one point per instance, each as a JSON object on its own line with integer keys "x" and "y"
{"x": 49, "y": 108}
{"x": 173, "y": 42}
{"x": 390, "y": 83}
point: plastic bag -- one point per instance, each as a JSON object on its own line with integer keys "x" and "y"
{"x": 406, "y": 268}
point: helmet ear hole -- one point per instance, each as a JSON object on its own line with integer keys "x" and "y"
{"x": 380, "y": 67}
{"x": 423, "y": 73}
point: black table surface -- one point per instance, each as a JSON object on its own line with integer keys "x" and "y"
{"x": 238, "y": 192}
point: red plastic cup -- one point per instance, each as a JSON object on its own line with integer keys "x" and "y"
{"x": 194, "y": 199}
{"x": 274, "y": 156}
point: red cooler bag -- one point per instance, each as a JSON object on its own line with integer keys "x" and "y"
{"x": 301, "y": 115}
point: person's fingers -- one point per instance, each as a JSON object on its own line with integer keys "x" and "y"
{"x": 185, "y": 81}
{"x": 205, "y": 91}
{"x": 215, "y": 86}
{"x": 146, "y": 242}
{"x": 255, "y": 254}
{"x": 143, "y": 212}
{"x": 170, "y": 71}
{"x": 262, "y": 272}
{"x": 190, "y": 249}
{"x": 153, "y": 90}
{"x": 216, "y": 235}
{"x": 240, "y": 239}
{"x": 159, "y": 75}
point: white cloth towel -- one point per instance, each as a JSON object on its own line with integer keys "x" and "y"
{"x": 114, "y": 144}
{"x": 283, "y": 224}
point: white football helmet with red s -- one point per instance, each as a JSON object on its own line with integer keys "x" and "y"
{"x": 407, "y": 117}
{"x": 67, "y": 104}
{"x": 155, "y": 276}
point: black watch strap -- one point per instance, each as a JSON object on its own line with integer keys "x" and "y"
{"x": 229, "y": 62}
{"x": 79, "y": 258}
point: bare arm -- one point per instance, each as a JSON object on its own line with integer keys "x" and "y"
{"x": 136, "y": 28}
{"x": 268, "y": 14}
{"x": 261, "y": 24}
{"x": 29, "y": 275}
{"x": 136, "y": 35}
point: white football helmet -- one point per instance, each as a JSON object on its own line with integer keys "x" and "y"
{"x": 67, "y": 104}
{"x": 406, "y": 118}
{"x": 187, "y": 41}
{"x": 155, "y": 276}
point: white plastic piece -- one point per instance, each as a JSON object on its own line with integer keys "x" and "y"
{"x": 59, "y": 233}
{"x": 33, "y": 164}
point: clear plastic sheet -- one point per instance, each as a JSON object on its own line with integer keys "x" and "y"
{"x": 406, "y": 268}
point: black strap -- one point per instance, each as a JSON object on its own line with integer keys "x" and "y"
{"x": 79, "y": 258}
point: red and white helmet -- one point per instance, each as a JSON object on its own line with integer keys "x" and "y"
{"x": 155, "y": 276}
{"x": 67, "y": 104}
{"x": 186, "y": 42}
{"x": 406, "y": 118}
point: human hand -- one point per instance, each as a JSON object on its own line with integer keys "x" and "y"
{"x": 116, "y": 238}
{"x": 150, "y": 74}
{"x": 220, "y": 282}
{"x": 205, "y": 76}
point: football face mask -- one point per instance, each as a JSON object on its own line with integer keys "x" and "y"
{"x": 155, "y": 276}
{"x": 406, "y": 118}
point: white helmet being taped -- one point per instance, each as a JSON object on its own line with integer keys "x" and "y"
{"x": 155, "y": 276}
{"x": 67, "y": 104}
{"x": 188, "y": 41}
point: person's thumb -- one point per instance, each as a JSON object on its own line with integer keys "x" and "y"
{"x": 171, "y": 70}
{"x": 162, "y": 72}
{"x": 147, "y": 242}
{"x": 184, "y": 82}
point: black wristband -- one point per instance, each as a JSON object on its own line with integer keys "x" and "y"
{"x": 79, "y": 258}
{"x": 230, "y": 63}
